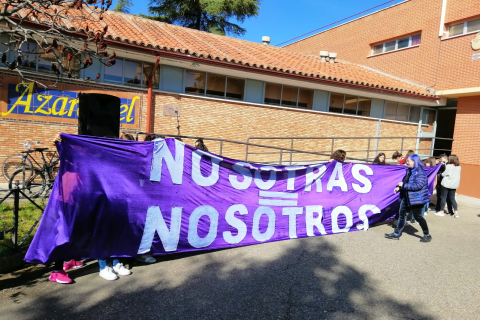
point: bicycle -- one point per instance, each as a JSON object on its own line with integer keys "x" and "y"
{"x": 14, "y": 163}
{"x": 36, "y": 180}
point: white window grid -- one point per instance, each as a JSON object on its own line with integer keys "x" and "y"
{"x": 384, "y": 45}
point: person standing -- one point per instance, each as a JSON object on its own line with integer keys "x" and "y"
{"x": 379, "y": 159}
{"x": 396, "y": 157}
{"x": 413, "y": 196}
{"x": 442, "y": 160}
{"x": 409, "y": 153}
{"x": 450, "y": 184}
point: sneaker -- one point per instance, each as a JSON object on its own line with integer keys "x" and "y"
{"x": 108, "y": 274}
{"x": 456, "y": 216}
{"x": 392, "y": 236}
{"x": 413, "y": 221}
{"x": 440, "y": 214}
{"x": 60, "y": 277}
{"x": 120, "y": 269}
{"x": 72, "y": 264}
{"x": 426, "y": 238}
{"x": 426, "y": 212}
{"x": 432, "y": 210}
{"x": 146, "y": 258}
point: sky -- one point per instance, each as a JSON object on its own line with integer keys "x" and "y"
{"x": 283, "y": 20}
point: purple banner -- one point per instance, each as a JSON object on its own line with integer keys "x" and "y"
{"x": 120, "y": 198}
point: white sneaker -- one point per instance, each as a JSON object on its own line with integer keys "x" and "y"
{"x": 121, "y": 270}
{"x": 440, "y": 214}
{"x": 146, "y": 258}
{"x": 108, "y": 274}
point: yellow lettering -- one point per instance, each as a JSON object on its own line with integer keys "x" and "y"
{"x": 62, "y": 108}
{"x": 28, "y": 90}
{"x": 39, "y": 109}
{"x": 123, "y": 109}
{"x": 129, "y": 116}
{"x": 72, "y": 105}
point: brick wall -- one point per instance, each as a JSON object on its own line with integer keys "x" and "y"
{"x": 438, "y": 64}
{"x": 237, "y": 121}
{"x": 466, "y": 136}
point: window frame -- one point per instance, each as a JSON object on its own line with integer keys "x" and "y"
{"x": 206, "y": 85}
{"x": 465, "y": 28}
{"x": 383, "y": 44}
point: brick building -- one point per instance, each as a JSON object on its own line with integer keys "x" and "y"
{"x": 432, "y": 43}
{"x": 222, "y": 87}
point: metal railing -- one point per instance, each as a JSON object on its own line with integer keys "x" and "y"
{"x": 370, "y": 150}
{"x": 285, "y": 154}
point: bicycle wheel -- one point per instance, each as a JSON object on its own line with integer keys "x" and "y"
{"x": 13, "y": 164}
{"x": 35, "y": 182}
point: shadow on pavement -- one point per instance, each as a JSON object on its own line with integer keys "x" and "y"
{"x": 304, "y": 280}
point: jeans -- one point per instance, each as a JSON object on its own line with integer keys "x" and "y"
{"x": 416, "y": 210}
{"x": 103, "y": 263}
{"x": 448, "y": 195}
{"x": 439, "y": 199}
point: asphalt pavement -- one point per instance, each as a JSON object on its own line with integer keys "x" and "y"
{"x": 357, "y": 275}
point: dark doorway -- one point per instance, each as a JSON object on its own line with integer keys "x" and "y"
{"x": 445, "y": 127}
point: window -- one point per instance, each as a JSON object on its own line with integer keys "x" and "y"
{"x": 398, "y": 44}
{"x": 29, "y": 53}
{"x": 414, "y": 114}
{"x": 464, "y": 27}
{"x": 289, "y": 96}
{"x": 46, "y": 60}
{"x": 364, "y": 107}
{"x": 305, "y": 98}
{"x": 350, "y": 106}
{"x": 114, "y": 73}
{"x": 235, "y": 88}
{"x": 402, "y": 112}
{"x": 216, "y": 85}
{"x": 390, "y": 46}
{"x": 132, "y": 73}
{"x": 473, "y": 25}
{"x": 336, "y": 103}
{"x": 391, "y": 110}
{"x": 74, "y": 64}
{"x": 273, "y": 94}
{"x": 147, "y": 68}
{"x": 195, "y": 82}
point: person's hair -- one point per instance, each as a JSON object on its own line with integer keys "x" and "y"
{"x": 377, "y": 158}
{"x": 443, "y": 155}
{"x": 396, "y": 155}
{"x": 149, "y": 137}
{"x": 127, "y": 136}
{"x": 339, "y": 155}
{"x": 453, "y": 159}
{"x": 416, "y": 160}
{"x": 430, "y": 161}
{"x": 409, "y": 153}
{"x": 200, "y": 145}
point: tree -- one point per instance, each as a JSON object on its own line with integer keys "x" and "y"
{"x": 206, "y": 15}
{"x": 123, "y": 6}
{"x": 51, "y": 35}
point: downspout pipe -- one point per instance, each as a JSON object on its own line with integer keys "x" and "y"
{"x": 149, "y": 94}
{"x": 442, "y": 18}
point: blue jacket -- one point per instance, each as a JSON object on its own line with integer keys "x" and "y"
{"x": 415, "y": 188}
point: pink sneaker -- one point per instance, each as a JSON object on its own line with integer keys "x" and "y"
{"x": 60, "y": 277}
{"x": 72, "y": 264}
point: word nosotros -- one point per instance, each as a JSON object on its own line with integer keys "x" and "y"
{"x": 303, "y": 221}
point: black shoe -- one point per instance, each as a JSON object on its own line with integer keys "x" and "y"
{"x": 426, "y": 238}
{"x": 392, "y": 236}
{"x": 412, "y": 221}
